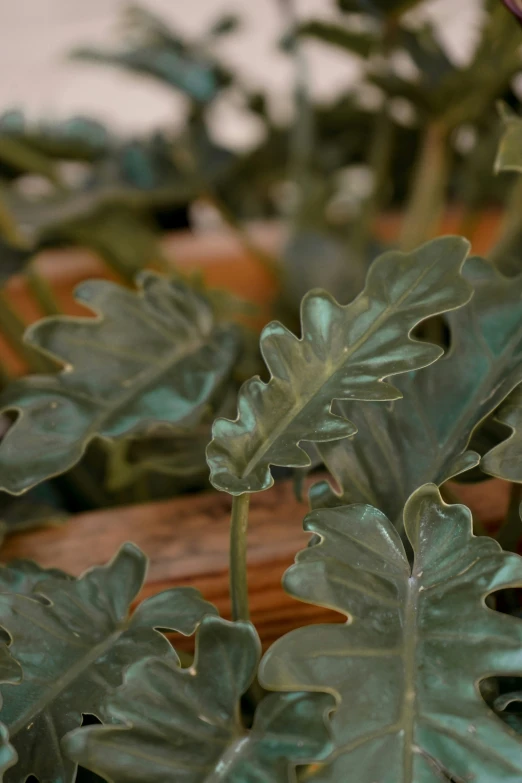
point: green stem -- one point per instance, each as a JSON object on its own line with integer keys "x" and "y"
{"x": 510, "y": 234}
{"x": 379, "y": 155}
{"x": 42, "y": 291}
{"x": 238, "y": 557}
{"x": 428, "y": 189}
{"x": 13, "y": 329}
{"x": 303, "y": 132}
{"x": 379, "y": 160}
{"x": 8, "y": 228}
{"x": 510, "y": 533}
{"x": 5, "y": 376}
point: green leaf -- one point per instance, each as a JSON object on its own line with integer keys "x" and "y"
{"x": 8, "y": 757}
{"x": 151, "y": 357}
{"x": 184, "y": 724}
{"x": 507, "y": 707}
{"x": 73, "y": 648}
{"x": 345, "y": 353}
{"x": 124, "y": 241}
{"x": 376, "y": 7}
{"x": 78, "y": 138}
{"x": 162, "y": 55}
{"x": 423, "y": 437}
{"x": 505, "y": 460}
{"x": 360, "y": 43}
{"x": 23, "y": 576}
{"x": 176, "y": 456}
{"x": 20, "y": 155}
{"x": 406, "y": 666}
{"x": 224, "y": 25}
{"x": 449, "y": 94}
{"x": 509, "y": 155}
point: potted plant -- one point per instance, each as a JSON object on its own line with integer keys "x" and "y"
{"x": 151, "y": 465}
{"x": 421, "y": 681}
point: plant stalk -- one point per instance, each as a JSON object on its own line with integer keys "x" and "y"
{"x": 510, "y": 234}
{"x": 8, "y": 227}
{"x": 238, "y": 557}
{"x": 428, "y": 189}
{"x": 13, "y": 329}
{"x": 379, "y": 159}
{"x": 379, "y": 155}
{"x": 302, "y": 135}
{"x": 42, "y": 291}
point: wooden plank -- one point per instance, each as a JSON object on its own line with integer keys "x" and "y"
{"x": 186, "y": 540}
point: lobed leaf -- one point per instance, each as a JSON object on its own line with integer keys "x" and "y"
{"x": 23, "y": 576}
{"x": 184, "y": 724}
{"x": 423, "y": 437}
{"x": 150, "y": 357}
{"x": 8, "y": 756}
{"x": 407, "y": 665}
{"x": 73, "y": 639}
{"x": 505, "y": 460}
{"x": 345, "y": 352}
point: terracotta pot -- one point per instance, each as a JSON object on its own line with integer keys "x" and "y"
{"x": 187, "y": 540}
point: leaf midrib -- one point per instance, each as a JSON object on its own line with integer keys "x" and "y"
{"x": 345, "y": 356}
{"x": 409, "y": 702}
{"x": 147, "y": 378}
{"x": 52, "y": 693}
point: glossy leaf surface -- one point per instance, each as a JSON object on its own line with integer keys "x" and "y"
{"x": 184, "y": 724}
{"x": 423, "y": 437}
{"x": 345, "y": 352}
{"x": 407, "y": 665}
{"x": 150, "y": 357}
{"x": 10, "y": 671}
{"x": 505, "y": 460}
{"x": 22, "y": 577}
{"x": 8, "y": 757}
{"x": 73, "y": 647}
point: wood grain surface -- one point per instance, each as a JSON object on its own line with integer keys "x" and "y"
{"x": 186, "y": 540}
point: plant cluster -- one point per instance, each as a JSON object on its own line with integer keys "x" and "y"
{"x": 422, "y": 681}
{"x": 128, "y": 186}
{"x": 416, "y": 381}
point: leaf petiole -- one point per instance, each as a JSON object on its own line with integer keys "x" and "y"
{"x": 238, "y": 557}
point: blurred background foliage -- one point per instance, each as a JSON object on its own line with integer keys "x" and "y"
{"x": 414, "y": 138}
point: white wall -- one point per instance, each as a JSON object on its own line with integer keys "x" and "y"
{"x": 37, "y": 34}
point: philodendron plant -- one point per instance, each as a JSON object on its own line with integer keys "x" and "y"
{"x": 420, "y": 682}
